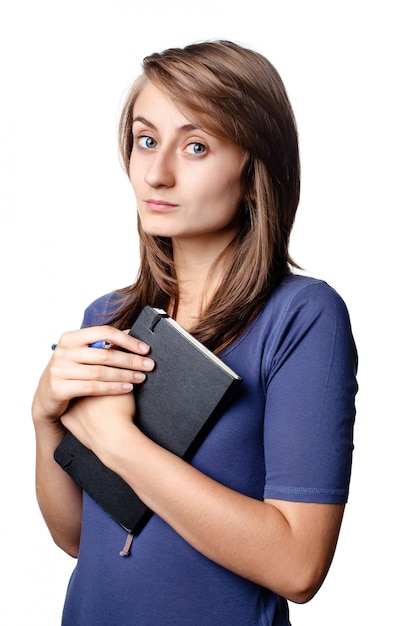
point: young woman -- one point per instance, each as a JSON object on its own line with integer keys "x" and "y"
{"x": 209, "y": 142}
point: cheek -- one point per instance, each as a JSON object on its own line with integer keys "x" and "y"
{"x": 134, "y": 168}
{"x": 231, "y": 190}
{"x": 225, "y": 180}
{"x": 227, "y": 197}
{"x": 134, "y": 178}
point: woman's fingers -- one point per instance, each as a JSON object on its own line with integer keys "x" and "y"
{"x": 89, "y": 364}
{"x": 84, "y": 388}
{"x": 87, "y": 336}
{"x": 62, "y": 373}
{"x": 74, "y": 358}
{"x": 77, "y": 370}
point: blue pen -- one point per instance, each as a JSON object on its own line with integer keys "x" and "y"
{"x": 103, "y": 344}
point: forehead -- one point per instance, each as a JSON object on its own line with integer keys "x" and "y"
{"x": 155, "y": 102}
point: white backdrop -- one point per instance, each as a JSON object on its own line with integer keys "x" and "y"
{"x": 68, "y": 234}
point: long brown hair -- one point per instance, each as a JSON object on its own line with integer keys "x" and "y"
{"x": 235, "y": 94}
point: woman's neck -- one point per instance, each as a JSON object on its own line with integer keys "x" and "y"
{"x": 199, "y": 276}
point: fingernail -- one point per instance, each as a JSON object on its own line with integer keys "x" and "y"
{"x": 139, "y": 376}
{"x": 127, "y": 386}
{"x": 148, "y": 363}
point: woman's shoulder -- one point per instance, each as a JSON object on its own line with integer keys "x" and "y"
{"x": 299, "y": 306}
{"x": 100, "y": 310}
{"x": 298, "y": 291}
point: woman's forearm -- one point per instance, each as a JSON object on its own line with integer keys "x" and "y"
{"x": 286, "y": 547}
{"x": 74, "y": 371}
{"x": 59, "y": 497}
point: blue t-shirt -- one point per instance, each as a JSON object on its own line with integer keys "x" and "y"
{"x": 288, "y": 436}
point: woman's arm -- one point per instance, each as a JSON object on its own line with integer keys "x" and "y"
{"x": 58, "y": 495}
{"x": 76, "y": 370}
{"x": 284, "y": 546}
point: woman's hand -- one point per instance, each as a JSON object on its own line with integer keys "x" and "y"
{"x": 97, "y": 421}
{"x": 75, "y": 370}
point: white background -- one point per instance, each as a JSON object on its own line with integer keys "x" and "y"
{"x": 68, "y": 234}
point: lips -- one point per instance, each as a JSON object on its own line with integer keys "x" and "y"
{"x": 159, "y": 206}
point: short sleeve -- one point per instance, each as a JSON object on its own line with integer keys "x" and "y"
{"x": 99, "y": 311}
{"x": 310, "y": 378}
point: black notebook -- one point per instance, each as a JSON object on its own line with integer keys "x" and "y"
{"x": 176, "y": 406}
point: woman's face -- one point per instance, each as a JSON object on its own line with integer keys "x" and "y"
{"x": 187, "y": 183}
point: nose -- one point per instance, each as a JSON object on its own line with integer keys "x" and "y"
{"x": 160, "y": 171}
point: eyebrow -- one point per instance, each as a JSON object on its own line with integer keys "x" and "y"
{"x": 184, "y": 128}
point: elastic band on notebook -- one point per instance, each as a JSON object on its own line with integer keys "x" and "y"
{"x": 156, "y": 320}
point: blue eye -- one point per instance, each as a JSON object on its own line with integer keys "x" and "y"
{"x": 196, "y": 148}
{"x": 145, "y": 141}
